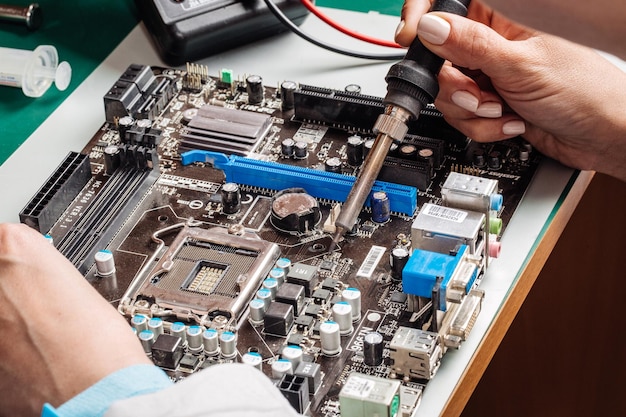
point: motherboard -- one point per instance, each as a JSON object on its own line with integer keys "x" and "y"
{"x": 204, "y": 208}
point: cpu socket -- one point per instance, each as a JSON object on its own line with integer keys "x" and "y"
{"x": 205, "y": 273}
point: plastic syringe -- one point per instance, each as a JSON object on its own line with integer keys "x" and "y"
{"x": 34, "y": 71}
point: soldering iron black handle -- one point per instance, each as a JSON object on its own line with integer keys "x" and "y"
{"x": 412, "y": 82}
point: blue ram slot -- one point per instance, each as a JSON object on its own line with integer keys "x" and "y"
{"x": 319, "y": 184}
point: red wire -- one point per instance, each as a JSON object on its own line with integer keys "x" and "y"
{"x": 309, "y": 5}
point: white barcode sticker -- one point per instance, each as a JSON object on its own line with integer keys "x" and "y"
{"x": 445, "y": 213}
{"x": 371, "y": 261}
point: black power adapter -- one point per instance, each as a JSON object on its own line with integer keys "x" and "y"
{"x": 188, "y": 30}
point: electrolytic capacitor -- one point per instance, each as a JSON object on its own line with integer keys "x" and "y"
{"x": 301, "y": 150}
{"x": 287, "y": 147}
{"x": 494, "y": 160}
{"x": 194, "y": 338}
{"x": 210, "y": 342}
{"x": 287, "y": 90}
{"x": 257, "y": 311}
{"x": 179, "y": 329}
{"x": 278, "y": 274}
{"x": 373, "y": 348}
{"x": 139, "y": 322}
{"x": 123, "y": 124}
{"x": 353, "y": 296}
{"x": 354, "y": 150}
{"x": 333, "y": 165}
{"x": 284, "y": 264}
{"x": 254, "y": 88}
{"x": 272, "y": 285}
{"x": 478, "y": 158}
{"x": 407, "y": 151}
{"x": 105, "y": 263}
{"x": 397, "y": 259}
{"x": 231, "y": 198}
{"x": 293, "y": 354}
{"x": 428, "y": 156}
{"x": 330, "y": 338}
{"x": 381, "y": 207}
{"x": 228, "y": 344}
{"x": 111, "y": 159}
{"x": 281, "y": 367}
{"x": 342, "y": 315}
{"x": 147, "y": 340}
{"x": 253, "y": 359}
{"x": 352, "y": 88}
{"x": 367, "y": 146}
{"x": 156, "y": 325}
{"x": 265, "y": 295}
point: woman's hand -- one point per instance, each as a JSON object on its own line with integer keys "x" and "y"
{"x": 59, "y": 336}
{"x": 507, "y": 80}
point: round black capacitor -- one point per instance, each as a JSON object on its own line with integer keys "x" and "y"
{"x": 381, "y": 210}
{"x": 407, "y": 151}
{"x": 352, "y": 88}
{"x": 333, "y": 165}
{"x": 494, "y": 161}
{"x": 397, "y": 259}
{"x": 111, "y": 159}
{"x": 478, "y": 158}
{"x": 367, "y": 146}
{"x": 123, "y": 124}
{"x": 287, "y": 89}
{"x": 286, "y": 147}
{"x": 373, "y": 349}
{"x": 254, "y": 88}
{"x": 427, "y": 155}
{"x": 355, "y": 150}
{"x": 301, "y": 150}
{"x": 231, "y": 198}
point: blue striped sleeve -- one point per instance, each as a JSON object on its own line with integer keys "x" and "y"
{"x": 125, "y": 383}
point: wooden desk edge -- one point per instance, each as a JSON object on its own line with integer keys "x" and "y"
{"x": 501, "y": 323}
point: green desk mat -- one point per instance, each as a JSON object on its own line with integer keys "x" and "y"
{"x": 84, "y": 33}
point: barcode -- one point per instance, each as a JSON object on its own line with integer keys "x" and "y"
{"x": 445, "y": 213}
{"x": 371, "y": 261}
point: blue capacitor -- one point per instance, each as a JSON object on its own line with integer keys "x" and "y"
{"x": 139, "y": 322}
{"x": 156, "y": 325}
{"x": 284, "y": 264}
{"x": 381, "y": 210}
{"x": 278, "y": 274}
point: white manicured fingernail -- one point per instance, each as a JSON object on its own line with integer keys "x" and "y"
{"x": 433, "y": 29}
{"x": 465, "y": 100}
{"x": 514, "y": 127}
{"x": 489, "y": 109}
{"x": 400, "y": 27}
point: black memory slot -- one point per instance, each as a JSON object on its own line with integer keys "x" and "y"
{"x": 105, "y": 216}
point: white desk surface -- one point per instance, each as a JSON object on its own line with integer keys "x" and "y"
{"x": 287, "y": 57}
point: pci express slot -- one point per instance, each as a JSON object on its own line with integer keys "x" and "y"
{"x": 347, "y": 110}
{"x": 336, "y": 108}
{"x": 319, "y": 184}
{"x": 105, "y": 216}
{"x": 51, "y": 200}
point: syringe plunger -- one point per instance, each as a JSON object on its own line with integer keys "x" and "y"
{"x": 33, "y": 71}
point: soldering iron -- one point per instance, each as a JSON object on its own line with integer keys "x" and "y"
{"x": 411, "y": 85}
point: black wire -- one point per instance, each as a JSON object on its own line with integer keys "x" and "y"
{"x": 295, "y": 29}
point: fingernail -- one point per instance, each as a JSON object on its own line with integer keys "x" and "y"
{"x": 433, "y": 29}
{"x": 399, "y": 28}
{"x": 465, "y": 100}
{"x": 489, "y": 109}
{"x": 514, "y": 127}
